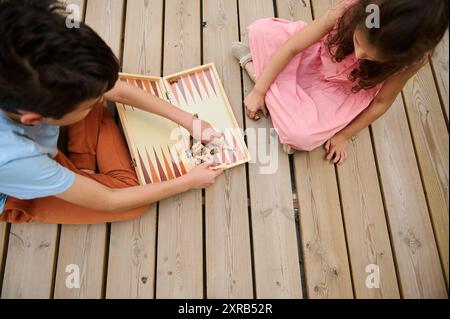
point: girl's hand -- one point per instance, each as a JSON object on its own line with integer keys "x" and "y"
{"x": 203, "y": 131}
{"x": 254, "y": 104}
{"x": 336, "y": 149}
{"x": 202, "y": 176}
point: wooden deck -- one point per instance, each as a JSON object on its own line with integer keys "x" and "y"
{"x": 308, "y": 231}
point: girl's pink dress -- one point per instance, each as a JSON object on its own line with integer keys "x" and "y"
{"x": 312, "y": 99}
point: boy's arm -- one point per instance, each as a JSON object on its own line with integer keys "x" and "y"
{"x": 88, "y": 193}
{"x": 303, "y": 39}
{"x": 133, "y": 96}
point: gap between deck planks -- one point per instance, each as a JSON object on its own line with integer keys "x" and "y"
{"x": 327, "y": 268}
{"x": 179, "y": 272}
{"x": 276, "y": 255}
{"x": 228, "y": 246}
{"x": 86, "y": 245}
{"x": 132, "y": 251}
{"x": 131, "y": 262}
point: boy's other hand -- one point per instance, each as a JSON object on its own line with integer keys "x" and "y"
{"x": 202, "y": 176}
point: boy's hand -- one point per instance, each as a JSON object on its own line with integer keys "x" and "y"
{"x": 203, "y": 131}
{"x": 336, "y": 149}
{"x": 255, "y": 104}
{"x": 202, "y": 176}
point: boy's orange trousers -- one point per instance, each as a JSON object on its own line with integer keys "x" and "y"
{"x": 94, "y": 144}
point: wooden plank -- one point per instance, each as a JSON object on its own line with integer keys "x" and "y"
{"x": 293, "y": 10}
{"x": 131, "y": 270}
{"x": 228, "y": 256}
{"x": 419, "y": 269}
{"x": 276, "y": 260}
{"x": 30, "y": 245}
{"x": 364, "y": 217}
{"x": 319, "y": 7}
{"x": 327, "y": 269}
{"x": 365, "y": 221}
{"x": 82, "y": 246}
{"x": 440, "y": 67}
{"x": 85, "y": 246}
{"x": 30, "y": 261}
{"x": 430, "y": 135}
{"x": 4, "y": 232}
{"x": 180, "y": 240}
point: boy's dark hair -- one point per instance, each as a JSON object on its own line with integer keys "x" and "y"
{"x": 46, "y": 67}
{"x": 409, "y": 30}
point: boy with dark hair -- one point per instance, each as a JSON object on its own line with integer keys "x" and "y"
{"x": 52, "y": 76}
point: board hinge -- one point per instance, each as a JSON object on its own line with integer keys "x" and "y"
{"x": 168, "y": 96}
{"x": 133, "y": 163}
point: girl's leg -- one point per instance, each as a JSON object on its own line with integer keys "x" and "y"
{"x": 249, "y": 67}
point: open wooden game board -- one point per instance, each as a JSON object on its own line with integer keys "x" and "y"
{"x": 159, "y": 147}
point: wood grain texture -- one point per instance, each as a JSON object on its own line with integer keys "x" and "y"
{"x": 294, "y": 10}
{"x": 131, "y": 270}
{"x": 323, "y": 238}
{"x": 4, "y": 232}
{"x": 276, "y": 260}
{"x": 319, "y": 7}
{"x": 365, "y": 221}
{"x": 85, "y": 245}
{"x": 228, "y": 256}
{"x": 366, "y": 229}
{"x": 419, "y": 268}
{"x": 29, "y": 269}
{"x": 430, "y": 135}
{"x": 81, "y": 246}
{"x": 180, "y": 238}
{"x": 440, "y": 62}
{"x": 327, "y": 269}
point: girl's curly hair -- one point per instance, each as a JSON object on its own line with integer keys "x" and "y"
{"x": 409, "y": 31}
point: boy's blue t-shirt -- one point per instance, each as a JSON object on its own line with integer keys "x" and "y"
{"x": 27, "y": 167}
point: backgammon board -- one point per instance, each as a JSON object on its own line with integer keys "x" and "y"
{"x": 159, "y": 147}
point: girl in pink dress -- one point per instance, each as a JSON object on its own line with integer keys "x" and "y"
{"x": 324, "y": 82}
